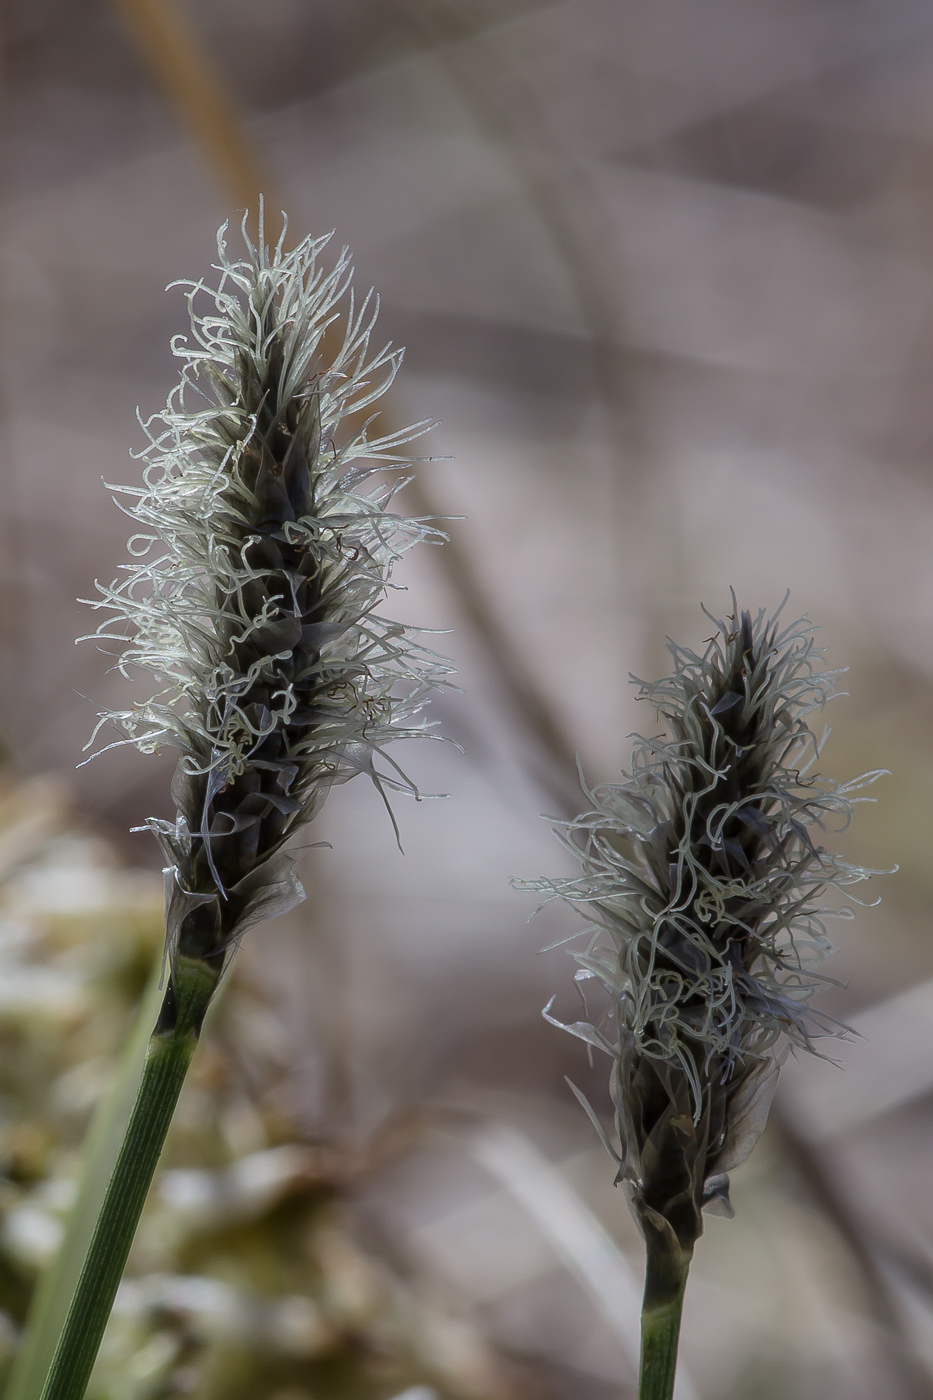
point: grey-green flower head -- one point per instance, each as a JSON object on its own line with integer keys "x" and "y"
{"x": 703, "y": 887}
{"x": 266, "y": 544}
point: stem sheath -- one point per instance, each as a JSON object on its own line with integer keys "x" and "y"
{"x": 167, "y": 1061}
{"x": 665, "y": 1283}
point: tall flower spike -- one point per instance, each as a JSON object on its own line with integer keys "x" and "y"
{"x": 265, "y": 547}
{"x": 703, "y": 891}
{"x": 266, "y": 544}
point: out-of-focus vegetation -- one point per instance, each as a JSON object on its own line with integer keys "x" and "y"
{"x": 249, "y": 1277}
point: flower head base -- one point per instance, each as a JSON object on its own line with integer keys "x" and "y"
{"x": 703, "y": 890}
{"x": 266, "y": 544}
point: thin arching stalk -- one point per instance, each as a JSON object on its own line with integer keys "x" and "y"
{"x": 168, "y": 1057}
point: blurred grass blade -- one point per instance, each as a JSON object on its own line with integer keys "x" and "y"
{"x": 102, "y": 1145}
{"x": 578, "y": 1238}
{"x": 187, "y": 74}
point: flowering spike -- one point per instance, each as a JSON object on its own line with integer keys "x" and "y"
{"x": 265, "y": 545}
{"x": 702, "y": 887}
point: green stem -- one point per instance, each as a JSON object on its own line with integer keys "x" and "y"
{"x": 99, "y": 1152}
{"x": 167, "y": 1061}
{"x": 665, "y": 1283}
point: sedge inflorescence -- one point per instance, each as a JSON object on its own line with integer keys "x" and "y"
{"x": 265, "y": 546}
{"x": 703, "y": 886}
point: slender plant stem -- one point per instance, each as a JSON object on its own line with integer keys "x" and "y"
{"x": 49, "y": 1307}
{"x": 167, "y": 1061}
{"x": 665, "y": 1283}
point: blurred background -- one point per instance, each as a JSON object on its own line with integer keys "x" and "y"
{"x": 664, "y": 271}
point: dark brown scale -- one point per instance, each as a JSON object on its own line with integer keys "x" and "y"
{"x": 250, "y": 817}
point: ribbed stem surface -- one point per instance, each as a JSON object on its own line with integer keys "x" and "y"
{"x": 665, "y": 1283}
{"x": 167, "y": 1062}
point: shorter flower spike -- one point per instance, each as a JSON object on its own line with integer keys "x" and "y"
{"x": 266, "y": 544}
{"x": 703, "y": 891}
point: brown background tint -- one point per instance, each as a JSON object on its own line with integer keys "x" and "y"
{"x": 665, "y": 275}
